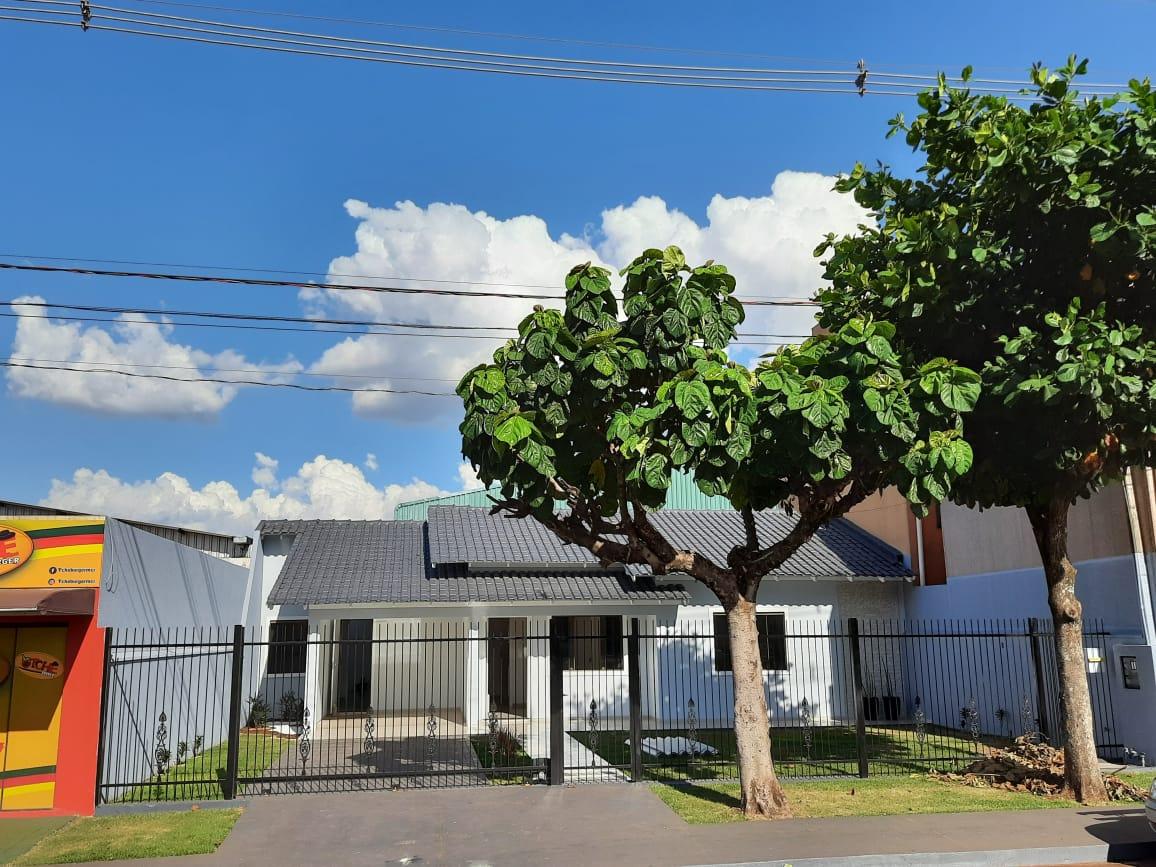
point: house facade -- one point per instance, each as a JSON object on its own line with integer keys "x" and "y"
{"x": 454, "y": 612}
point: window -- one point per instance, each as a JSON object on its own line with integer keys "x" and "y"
{"x": 287, "y": 646}
{"x": 593, "y": 643}
{"x": 772, "y": 642}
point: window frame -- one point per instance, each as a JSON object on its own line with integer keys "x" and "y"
{"x": 772, "y": 645}
{"x": 285, "y": 653}
{"x": 611, "y": 648}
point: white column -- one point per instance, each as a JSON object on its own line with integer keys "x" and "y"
{"x": 538, "y": 669}
{"x": 477, "y": 687}
{"x": 315, "y": 660}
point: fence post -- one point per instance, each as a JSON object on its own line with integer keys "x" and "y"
{"x": 633, "y": 647}
{"x": 557, "y": 704}
{"x": 229, "y": 785}
{"x": 105, "y": 686}
{"x": 857, "y": 679}
{"x": 1038, "y": 669}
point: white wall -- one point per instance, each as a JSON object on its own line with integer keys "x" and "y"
{"x": 151, "y": 582}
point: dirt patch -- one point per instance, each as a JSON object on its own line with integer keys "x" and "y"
{"x": 1030, "y": 766}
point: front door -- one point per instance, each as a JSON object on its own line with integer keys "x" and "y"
{"x": 31, "y": 684}
{"x": 507, "y": 656}
{"x": 354, "y": 666}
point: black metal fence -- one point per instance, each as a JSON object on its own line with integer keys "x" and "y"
{"x": 194, "y": 714}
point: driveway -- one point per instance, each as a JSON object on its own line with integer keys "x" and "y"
{"x": 627, "y": 824}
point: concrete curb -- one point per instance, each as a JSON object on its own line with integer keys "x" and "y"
{"x": 1096, "y": 852}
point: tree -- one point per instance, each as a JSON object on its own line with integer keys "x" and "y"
{"x": 1027, "y": 249}
{"x": 594, "y": 406}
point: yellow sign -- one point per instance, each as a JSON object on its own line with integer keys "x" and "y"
{"x": 50, "y": 552}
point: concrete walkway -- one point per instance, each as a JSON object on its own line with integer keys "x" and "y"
{"x": 627, "y": 824}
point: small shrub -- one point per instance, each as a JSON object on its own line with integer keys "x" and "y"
{"x": 198, "y": 744}
{"x": 259, "y": 713}
{"x": 507, "y": 748}
{"x": 292, "y": 708}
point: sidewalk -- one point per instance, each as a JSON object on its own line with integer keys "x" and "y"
{"x": 626, "y": 824}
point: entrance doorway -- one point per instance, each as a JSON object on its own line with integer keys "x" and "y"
{"x": 354, "y": 666}
{"x": 508, "y": 654}
{"x": 31, "y": 684}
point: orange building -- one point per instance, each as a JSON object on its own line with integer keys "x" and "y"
{"x": 51, "y": 653}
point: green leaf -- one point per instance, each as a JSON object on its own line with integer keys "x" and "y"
{"x": 655, "y": 472}
{"x": 491, "y": 380}
{"x": 979, "y": 254}
{"x": 513, "y": 430}
{"x": 739, "y": 445}
{"x": 692, "y": 398}
{"x": 960, "y": 389}
{"x": 1146, "y": 218}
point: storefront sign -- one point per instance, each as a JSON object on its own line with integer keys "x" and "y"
{"x": 50, "y": 552}
{"x": 36, "y": 664}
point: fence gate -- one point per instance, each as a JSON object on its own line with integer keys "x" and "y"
{"x": 208, "y": 713}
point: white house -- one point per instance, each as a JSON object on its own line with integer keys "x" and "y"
{"x": 453, "y": 613}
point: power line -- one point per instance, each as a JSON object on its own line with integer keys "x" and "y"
{"x": 846, "y": 71}
{"x": 220, "y": 381}
{"x": 264, "y": 317}
{"x": 296, "y": 284}
{"x": 246, "y": 370}
{"x": 406, "y": 54}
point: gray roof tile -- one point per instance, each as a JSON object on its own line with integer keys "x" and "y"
{"x": 464, "y": 555}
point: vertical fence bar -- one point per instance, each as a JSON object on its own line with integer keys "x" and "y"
{"x": 634, "y": 675}
{"x": 557, "y": 706}
{"x": 234, "y": 732}
{"x": 105, "y": 686}
{"x": 1038, "y": 670}
{"x": 857, "y": 677}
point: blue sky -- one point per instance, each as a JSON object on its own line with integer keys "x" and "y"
{"x": 124, "y": 148}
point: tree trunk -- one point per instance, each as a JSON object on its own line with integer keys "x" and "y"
{"x": 762, "y": 794}
{"x": 1081, "y": 765}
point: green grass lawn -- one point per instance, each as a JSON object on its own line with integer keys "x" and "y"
{"x": 140, "y": 835}
{"x": 1143, "y": 779}
{"x": 891, "y": 750}
{"x": 200, "y": 778}
{"x": 714, "y": 803}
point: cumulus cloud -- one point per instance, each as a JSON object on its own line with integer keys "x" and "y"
{"x": 766, "y": 241}
{"x": 469, "y": 477}
{"x": 323, "y": 487}
{"x": 371, "y": 461}
{"x": 122, "y": 346}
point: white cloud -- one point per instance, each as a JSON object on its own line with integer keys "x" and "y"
{"x": 120, "y": 347}
{"x": 469, "y": 477}
{"x": 766, "y": 241}
{"x": 321, "y": 488}
{"x": 265, "y": 472}
{"x": 371, "y": 461}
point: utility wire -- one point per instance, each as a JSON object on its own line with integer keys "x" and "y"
{"x": 247, "y": 370}
{"x": 876, "y": 74}
{"x": 270, "y": 39}
{"x": 263, "y": 317}
{"x": 148, "y": 323}
{"x": 296, "y": 284}
{"x": 221, "y": 381}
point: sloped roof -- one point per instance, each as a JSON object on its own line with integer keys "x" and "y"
{"x": 464, "y": 555}
{"x": 356, "y": 562}
{"x": 838, "y": 550}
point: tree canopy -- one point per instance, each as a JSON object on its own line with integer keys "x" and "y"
{"x": 595, "y": 406}
{"x": 1027, "y": 249}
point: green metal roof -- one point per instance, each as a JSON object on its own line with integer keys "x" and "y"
{"x": 683, "y": 493}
